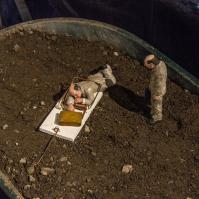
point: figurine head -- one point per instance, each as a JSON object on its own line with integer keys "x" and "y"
{"x": 151, "y": 61}
{"x": 75, "y": 91}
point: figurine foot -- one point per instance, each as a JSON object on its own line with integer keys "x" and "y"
{"x": 154, "y": 121}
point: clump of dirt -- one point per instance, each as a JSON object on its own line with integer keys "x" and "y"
{"x": 164, "y": 158}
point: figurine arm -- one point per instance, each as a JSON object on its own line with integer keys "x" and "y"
{"x": 89, "y": 97}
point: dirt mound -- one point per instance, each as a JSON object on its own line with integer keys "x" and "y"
{"x": 164, "y": 157}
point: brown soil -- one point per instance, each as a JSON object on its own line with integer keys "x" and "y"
{"x": 165, "y": 157}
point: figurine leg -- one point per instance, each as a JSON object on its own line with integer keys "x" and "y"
{"x": 156, "y": 109}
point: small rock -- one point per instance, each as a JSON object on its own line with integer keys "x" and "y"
{"x": 90, "y": 191}
{"x": 16, "y": 131}
{"x": 5, "y": 126}
{"x": 46, "y": 171}
{"x": 170, "y": 182}
{"x": 63, "y": 159}
{"x": 127, "y": 168}
{"x": 68, "y": 162}
{"x": 17, "y": 144}
{"x": 189, "y": 198}
{"x": 87, "y": 129}
{"x": 23, "y": 161}
{"x": 34, "y": 79}
{"x": 34, "y": 51}
{"x": 30, "y": 170}
{"x": 16, "y": 48}
{"x": 31, "y": 178}
{"x": 34, "y": 107}
{"x": 116, "y": 54}
{"x": 27, "y": 186}
{"x": 42, "y": 103}
{"x": 94, "y": 154}
{"x": 186, "y": 91}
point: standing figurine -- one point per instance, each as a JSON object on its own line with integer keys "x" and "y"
{"x": 157, "y": 86}
{"x": 84, "y": 92}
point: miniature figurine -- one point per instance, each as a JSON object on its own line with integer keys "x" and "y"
{"x": 157, "y": 86}
{"x": 84, "y": 92}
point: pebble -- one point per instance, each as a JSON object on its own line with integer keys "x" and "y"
{"x": 46, "y": 171}
{"x": 87, "y": 129}
{"x": 127, "y": 168}
{"x": 94, "y": 154}
{"x": 31, "y": 178}
{"x": 27, "y": 186}
{"x": 16, "y": 131}
{"x": 186, "y": 91}
{"x": 68, "y": 162}
{"x": 170, "y": 182}
{"x": 16, "y": 48}
{"x": 42, "y": 103}
{"x": 23, "y": 161}
{"x": 8, "y": 169}
{"x": 189, "y": 198}
{"x": 30, "y": 170}
{"x": 5, "y": 126}
{"x": 34, "y": 79}
{"x": 17, "y": 144}
{"x": 116, "y": 54}
{"x": 63, "y": 159}
{"x": 34, "y": 107}
{"x": 90, "y": 191}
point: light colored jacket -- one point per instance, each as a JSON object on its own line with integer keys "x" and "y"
{"x": 158, "y": 80}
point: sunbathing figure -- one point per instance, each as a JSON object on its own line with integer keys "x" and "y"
{"x": 84, "y": 92}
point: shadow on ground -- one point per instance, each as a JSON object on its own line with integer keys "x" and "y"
{"x": 129, "y": 100}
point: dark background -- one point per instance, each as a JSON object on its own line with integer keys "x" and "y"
{"x": 172, "y": 26}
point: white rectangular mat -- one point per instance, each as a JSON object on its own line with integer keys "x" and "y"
{"x": 66, "y": 132}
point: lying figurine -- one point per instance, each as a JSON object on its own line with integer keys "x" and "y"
{"x": 83, "y": 92}
{"x": 157, "y": 86}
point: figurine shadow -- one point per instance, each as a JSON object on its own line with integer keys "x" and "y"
{"x": 129, "y": 100}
